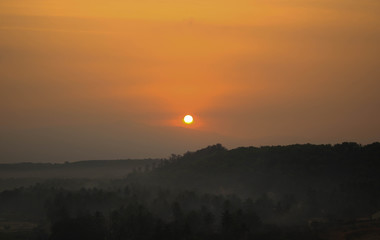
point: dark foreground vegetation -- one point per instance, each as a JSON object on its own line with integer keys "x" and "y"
{"x": 281, "y": 192}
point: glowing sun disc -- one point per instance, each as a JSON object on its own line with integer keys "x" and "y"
{"x": 188, "y": 119}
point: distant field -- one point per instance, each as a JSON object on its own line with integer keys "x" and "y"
{"x": 16, "y": 226}
{"x": 355, "y": 231}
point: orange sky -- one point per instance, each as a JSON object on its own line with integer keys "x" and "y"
{"x": 112, "y": 79}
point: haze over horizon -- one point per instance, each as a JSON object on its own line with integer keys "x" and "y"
{"x": 113, "y": 79}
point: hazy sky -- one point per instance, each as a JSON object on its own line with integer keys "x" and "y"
{"x": 112, "y": 79}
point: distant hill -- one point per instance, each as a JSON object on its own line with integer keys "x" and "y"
{"x": 83, "y": 169}
{"x": 268, "y": 168}
{"x": 344, "y": 174}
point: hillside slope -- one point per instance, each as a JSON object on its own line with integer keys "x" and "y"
{"x": 342, "y": 179}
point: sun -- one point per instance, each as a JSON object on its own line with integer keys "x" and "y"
{"x": 188, "y": 119}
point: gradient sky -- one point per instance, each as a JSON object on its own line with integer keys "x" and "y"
{"x": 112, "y": 79}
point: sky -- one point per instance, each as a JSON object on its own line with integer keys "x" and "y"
{"x": 113, "y": 79}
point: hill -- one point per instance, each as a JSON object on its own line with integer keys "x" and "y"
{"x": 340, "y": 180}
{"x": 82, "y": 169}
